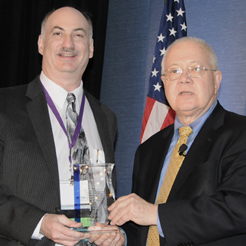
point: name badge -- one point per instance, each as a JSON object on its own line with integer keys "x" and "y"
{"x": 67, "y": 194}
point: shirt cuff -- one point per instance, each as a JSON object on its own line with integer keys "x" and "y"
{"x": 123, "y": 232}
{"x": 36, "y": 235}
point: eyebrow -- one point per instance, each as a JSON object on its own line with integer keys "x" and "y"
{"x": 62, "y": 29}
{"x": 195, "y": 61}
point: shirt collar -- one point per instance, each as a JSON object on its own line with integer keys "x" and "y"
{"x": 196, "y": 125}
{"x": 59, "y": 94}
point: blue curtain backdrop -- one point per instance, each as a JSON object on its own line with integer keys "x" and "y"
{"x": 131, "y": 34}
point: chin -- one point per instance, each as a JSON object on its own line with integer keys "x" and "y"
{"x": 67, "y": 69}
{"x": 185, "y": 105}
{"x": 185, "y": 109}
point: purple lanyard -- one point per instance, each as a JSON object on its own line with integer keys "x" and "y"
{"x": 58, "y": 117}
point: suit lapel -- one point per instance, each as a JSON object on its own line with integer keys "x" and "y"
{"x": 199, "y": 147}
{"x": 39, "y": 115}
{"x": 152, "y": 174}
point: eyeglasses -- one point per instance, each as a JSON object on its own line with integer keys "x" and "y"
{"x": 192, "y": 71}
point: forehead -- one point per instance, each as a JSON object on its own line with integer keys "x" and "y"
{"x": 187, "y": 52}
{"x": 67, "y": 18}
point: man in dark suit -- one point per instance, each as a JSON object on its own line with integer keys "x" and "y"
{"x": 206, "y": 202}
{"x": 34, "y": 150}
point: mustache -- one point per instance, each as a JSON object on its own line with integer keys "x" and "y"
{"x": 68, "y": 50}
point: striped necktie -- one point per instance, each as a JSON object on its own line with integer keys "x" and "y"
{"x": 80, "y": 151}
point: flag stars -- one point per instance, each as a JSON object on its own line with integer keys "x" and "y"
{"x": 154, "y": 58}
{"x": 163, "y": 51}
{"x": 176, "y": 1}
{"x": 172, "y": 32}
{"x": 180, "y": 12}
{"x": 169, "y": 17}
{"x": 183, "y": 26}
{"x": 154, "y": 73}
{"x": 160, "y": 38}
{"x": 157, "y": 87}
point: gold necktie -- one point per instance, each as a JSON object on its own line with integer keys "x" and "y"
{"x": 171, "y": 173}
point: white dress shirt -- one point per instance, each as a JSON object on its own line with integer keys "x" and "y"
{"x": 58, "y": 96}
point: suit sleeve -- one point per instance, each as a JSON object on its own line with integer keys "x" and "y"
{"x": 18, "y": 218}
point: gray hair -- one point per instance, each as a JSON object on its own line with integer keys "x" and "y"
{"x": 212, "y": 55}
{"x": 85, "y": 14}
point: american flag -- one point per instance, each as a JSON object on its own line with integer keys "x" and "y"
{"x": 158, "y": 114}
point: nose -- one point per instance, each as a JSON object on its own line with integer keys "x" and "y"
{"x": 185, "y": 77}
{"x": 68, "y": 42}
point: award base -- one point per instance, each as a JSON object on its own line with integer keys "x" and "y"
{"x": 93, "y": 230}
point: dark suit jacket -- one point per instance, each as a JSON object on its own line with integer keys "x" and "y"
{"x": 29, "y": 182}
{"x": 207, "y": 203}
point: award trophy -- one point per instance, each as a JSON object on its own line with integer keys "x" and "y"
{"x": 93, "y": 194}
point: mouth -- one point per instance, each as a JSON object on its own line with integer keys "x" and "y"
{"x": 185, "y": 93}
{"x": 67, "y": 54}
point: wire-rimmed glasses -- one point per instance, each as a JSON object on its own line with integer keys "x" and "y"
{"x": 196, "y": 71}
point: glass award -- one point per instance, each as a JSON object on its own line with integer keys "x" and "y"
{"x": 93, "y": 193}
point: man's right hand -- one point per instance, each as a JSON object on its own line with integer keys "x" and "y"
{"x": 56, "y": 227}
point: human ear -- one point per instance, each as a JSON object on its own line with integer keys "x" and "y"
{"x": 40, "y": 44}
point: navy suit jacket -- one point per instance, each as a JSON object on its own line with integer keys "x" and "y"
{"x": 207, "y": 203}
{"x": 29, "y": 182}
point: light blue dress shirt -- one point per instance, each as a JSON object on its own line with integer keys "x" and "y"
{"x": 195, "y": 126}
